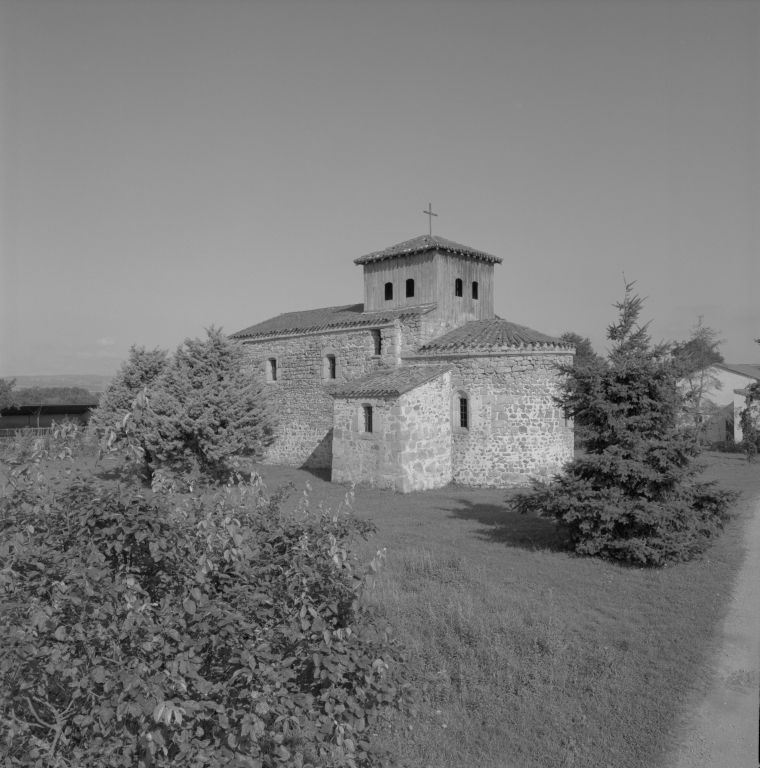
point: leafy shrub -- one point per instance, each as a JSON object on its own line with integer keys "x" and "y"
{"x": 211, "y": 630}
{"x": 633, "y": 496}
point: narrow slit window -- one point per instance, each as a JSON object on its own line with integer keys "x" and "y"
{"x": 474, "y": 290}
{"x": 377, "y": 340}
{"x": 409, "y": 288}
{"x": 331, "y": 367}
{"x": 458, "y": 287}
{"x": 388, "y": 291}
{"x": 464, "y": 421}
{"x": 273, "y": 370}
{"x": 368, "y": 418}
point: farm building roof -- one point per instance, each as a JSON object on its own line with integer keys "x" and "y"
{"x": 348, "y": 316}
{"x": 390, "y": 381}
{"x": 52, "y": 408}
{"x": 493, "y": 333}
{"x": 745, "y": 369}
{"x": 426, "y": 243}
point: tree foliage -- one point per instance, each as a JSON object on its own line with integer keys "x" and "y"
{"x": 585, "y": 356}
{"x": 749, "y": 418}
{"x": 207, "y": 407}
{"x": 7, "y": 395}
{"x": 634, "y": 495}
{"x": 698, "y": 383}
{"x": 142, "y": 369}
{"x": 195, "y": 631}
{"x": 584, "y": 350}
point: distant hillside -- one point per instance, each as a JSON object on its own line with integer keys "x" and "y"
{"x": 89, "y": 381}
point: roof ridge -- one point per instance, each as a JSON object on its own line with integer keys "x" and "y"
{"x": 496, "y": 332}
{"x": 426, "y": 243}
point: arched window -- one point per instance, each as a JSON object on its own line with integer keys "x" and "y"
{"x": 271, "y": 369}
{"x": 462, "y": 414}
{"x": 458, "y": 287}
{"x": 409, "y": 288}
{"x": 377, "y": 341}
{"x": 388, "y": 291}
{"x": 464, "y": 411}
{"x": 474, "y": 289}
{"x": 331, "y": 367}
{"x": 367, "y": 417}
{"x": 330, "y": 364}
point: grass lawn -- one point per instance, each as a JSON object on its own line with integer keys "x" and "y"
{"x": 533, "y": 656}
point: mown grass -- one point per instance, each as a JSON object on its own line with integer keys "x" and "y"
{"x": 533, "y": 656}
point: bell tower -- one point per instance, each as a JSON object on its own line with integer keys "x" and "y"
{"x": 431, "y": 270}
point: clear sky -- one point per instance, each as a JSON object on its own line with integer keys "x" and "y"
{"x": 165, "y": 166}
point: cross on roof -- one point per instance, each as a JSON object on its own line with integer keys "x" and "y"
{"x": 430, "y": 215}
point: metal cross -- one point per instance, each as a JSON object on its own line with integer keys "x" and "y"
{"x": 430, "y": 214}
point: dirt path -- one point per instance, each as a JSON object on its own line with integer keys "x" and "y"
{"x": 723, "y": 730}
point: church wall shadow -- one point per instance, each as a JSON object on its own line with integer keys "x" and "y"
{"x": 319, "y": 461}
{"x": 503, "y": 525}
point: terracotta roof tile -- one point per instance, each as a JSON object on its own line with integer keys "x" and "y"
{"x": 323, "y": 319}
{"x": 426, "y": 243}
{"x": 478, "y": 334}
{"x": 390, "y": 381}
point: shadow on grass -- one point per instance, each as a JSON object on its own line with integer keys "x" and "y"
{"x": 323, "y": 473}
{"x": 504, "y": 525}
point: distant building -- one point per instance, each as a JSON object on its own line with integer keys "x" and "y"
{"x": 39, "y": 416}
{"x": 418, "y": 386}
{"x": 731, "y": 381}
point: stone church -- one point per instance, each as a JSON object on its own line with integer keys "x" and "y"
{"x": 420, "y": 385}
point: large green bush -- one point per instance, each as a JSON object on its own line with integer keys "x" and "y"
{"x": 634, "y": 495}
{"x": 204, "y": 630}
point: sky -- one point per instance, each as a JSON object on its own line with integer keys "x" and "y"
{"x": 167, "y": 166}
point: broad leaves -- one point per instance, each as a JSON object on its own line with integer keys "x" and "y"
{"x": 207, "y": 630}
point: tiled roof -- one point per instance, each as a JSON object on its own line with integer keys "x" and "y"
{"x": 390, "y": 381}
{"x": 492, "y": 333}
{"x": 745, "y": 369}
{"x": 426, "y": 243}
{"x": 318, "y": 319}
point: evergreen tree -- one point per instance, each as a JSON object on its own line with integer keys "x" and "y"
{"x": 634, "y": 495}
{"x": 207, "y": 408}
{"x": 584, "y": 350}
{"x": 584, "y": 357}
{"x": 142, "y": 369}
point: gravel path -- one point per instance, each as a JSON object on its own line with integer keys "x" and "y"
{"x": 723, "y": 730}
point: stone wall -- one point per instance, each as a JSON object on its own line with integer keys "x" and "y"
{"x": 515, "y": 431}
{"x": 409, "y": 448}
{"x": 300, "y": 399}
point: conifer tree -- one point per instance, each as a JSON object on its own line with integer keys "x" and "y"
{"x": 634, "y": 495}
{"x": 207, "y": 408}
{"x": 584, "y": 356}
{"x": 142, "y": 369}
